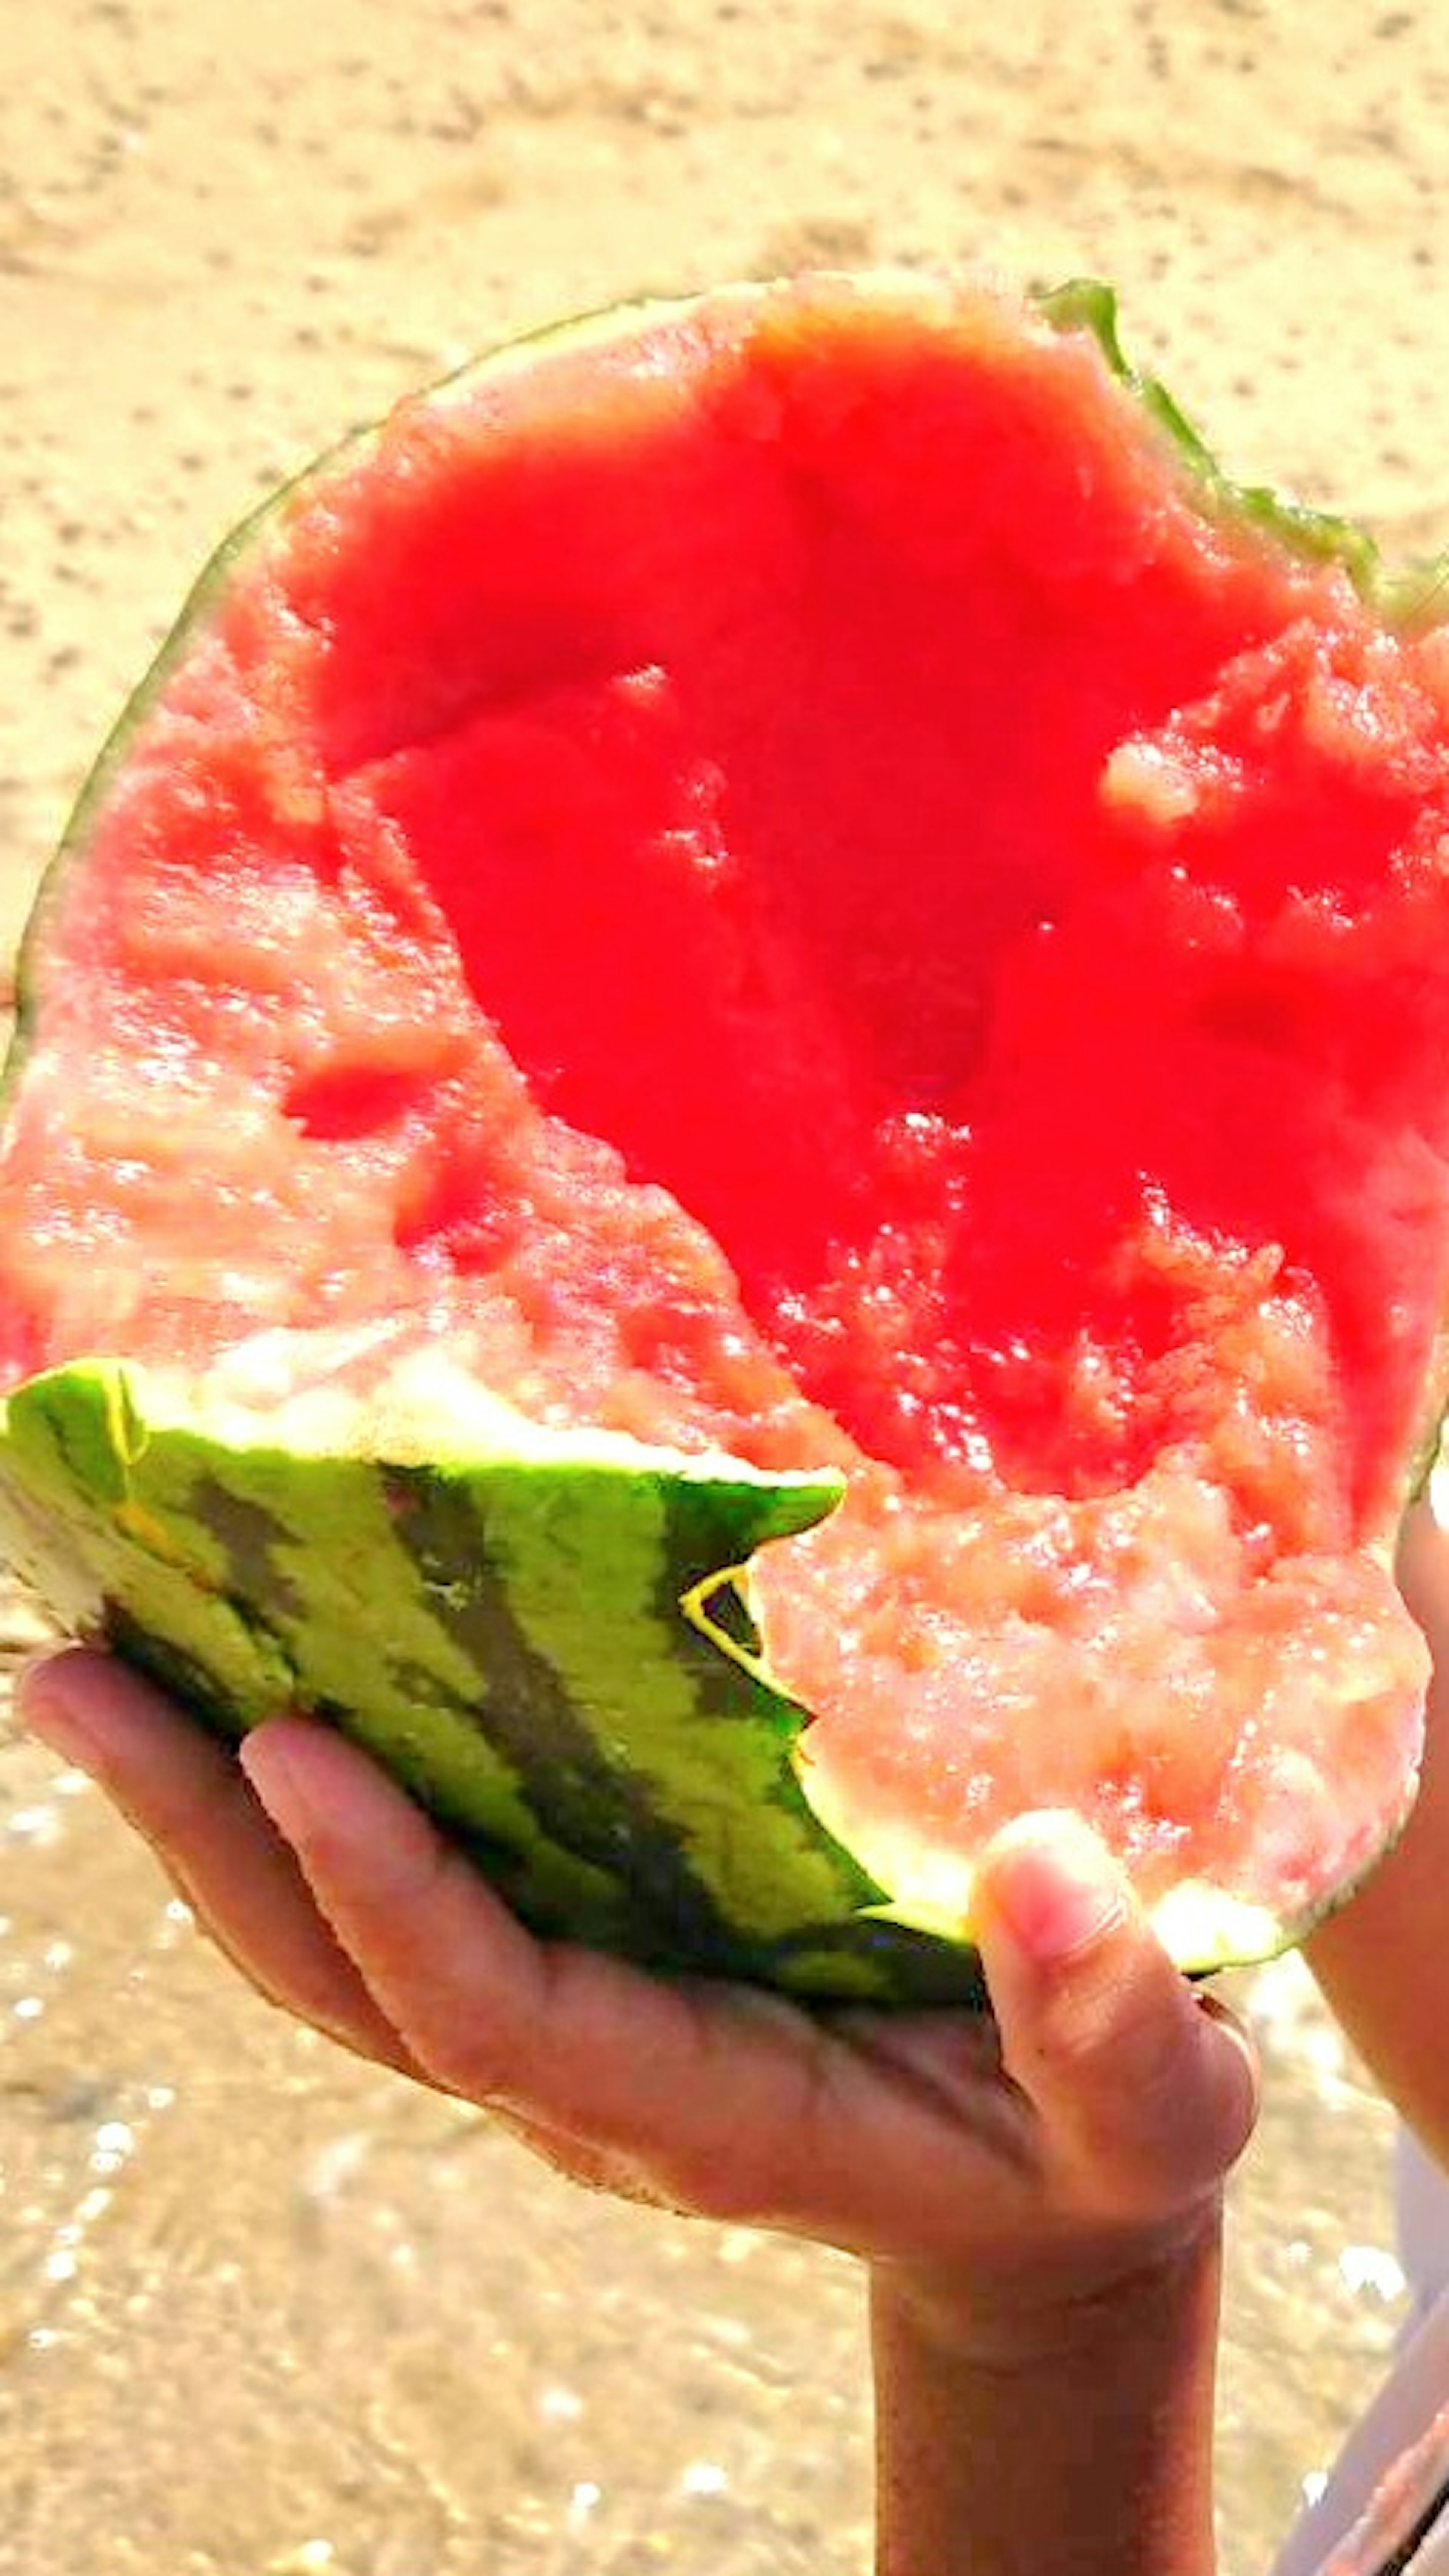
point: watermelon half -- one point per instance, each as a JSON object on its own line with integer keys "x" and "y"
{"x": 731, "y": 1123}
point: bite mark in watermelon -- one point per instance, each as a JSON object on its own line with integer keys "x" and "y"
{"x": 731, "y": 1123}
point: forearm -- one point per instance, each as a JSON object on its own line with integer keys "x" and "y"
{"x": 1084, "y": 2448}
{"x": 1382, "y": 1961}
{"x": 1383, "y": 1965}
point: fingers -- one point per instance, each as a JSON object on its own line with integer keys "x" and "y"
{"x": 708, "y": 2098}
{"x": 184, "y": 1793}
{"x": 445, "y": 1963}
{"x": 615, "y": 2075}
{"x": 1145, "y": 2092}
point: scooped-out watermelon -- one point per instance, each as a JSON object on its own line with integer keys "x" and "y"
{"x": 731, "y": 1121}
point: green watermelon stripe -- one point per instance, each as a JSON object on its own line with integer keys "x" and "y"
{"x": 574, "y": 1779}
{"x": 185, "y": 1675}
{"x": 423, "y": 1712}
{"x": 252, "y": 1539}
{"x": 709, "y": 1747}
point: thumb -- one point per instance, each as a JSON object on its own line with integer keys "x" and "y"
{"x": 1146, "y": 2092}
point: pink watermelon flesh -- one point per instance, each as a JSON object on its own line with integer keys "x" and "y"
{"x": 780, "y": 886}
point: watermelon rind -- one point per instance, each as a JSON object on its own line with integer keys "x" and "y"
{"x": 529, "y": 1629}
{"x": 545, "y": 1636}
{"x": 504, "y": 1627}
{"x": 1412, "y": 598}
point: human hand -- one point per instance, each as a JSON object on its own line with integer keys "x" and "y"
{"x": 1380, "y": 1957}
{"x": 999, "y": 2167}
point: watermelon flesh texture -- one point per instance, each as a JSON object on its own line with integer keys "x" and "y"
{"x": 779, "y": 884}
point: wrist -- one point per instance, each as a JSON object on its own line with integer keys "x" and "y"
{"x": 1053, "y": 2306}
{"x": 1050, "y": 2414}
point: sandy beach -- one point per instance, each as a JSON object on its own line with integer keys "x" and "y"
{"x": 262, "y": 2313}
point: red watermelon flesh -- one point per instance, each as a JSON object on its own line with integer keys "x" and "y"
{"x": 782, "y": 883}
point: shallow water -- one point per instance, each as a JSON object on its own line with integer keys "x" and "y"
{"x": 263, "y": 2313}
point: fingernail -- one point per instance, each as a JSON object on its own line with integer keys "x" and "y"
{"x": 1052, "y": 1886}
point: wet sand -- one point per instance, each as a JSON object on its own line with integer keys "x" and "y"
{"x": 262, "y": 2313}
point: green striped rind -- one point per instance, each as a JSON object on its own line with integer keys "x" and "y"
{"x": 508, "y": 1637}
